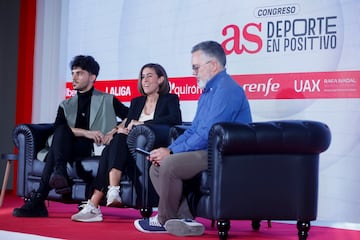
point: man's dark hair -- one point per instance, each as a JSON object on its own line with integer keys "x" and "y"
{"x": 86, "y": 63}
{"x": 211, "y": 49}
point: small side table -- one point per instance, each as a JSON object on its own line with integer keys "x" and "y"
{"x": 10, "y": 157}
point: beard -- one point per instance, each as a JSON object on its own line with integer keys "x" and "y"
{"x": 201, "y": 83}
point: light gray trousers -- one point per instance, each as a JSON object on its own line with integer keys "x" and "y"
{"x": 168, "y": 182}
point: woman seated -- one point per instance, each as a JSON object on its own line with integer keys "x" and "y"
{"x": 156, "y": 106}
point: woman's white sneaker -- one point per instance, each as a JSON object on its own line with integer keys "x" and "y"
{"x": 113, "y": 197}
{"x": 89, "y": 213}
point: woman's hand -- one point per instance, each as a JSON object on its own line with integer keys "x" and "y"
{"x": 123, "y": 130}
{"x": 134, "y": 123}
{"x": 108, "y": 137}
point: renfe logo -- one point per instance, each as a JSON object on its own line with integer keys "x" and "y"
{"x": 262, "y": 87}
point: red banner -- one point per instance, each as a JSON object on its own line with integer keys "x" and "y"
{"x": 315, "y": 85}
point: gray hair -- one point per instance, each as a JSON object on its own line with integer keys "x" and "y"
{"x": 211, "y": 49}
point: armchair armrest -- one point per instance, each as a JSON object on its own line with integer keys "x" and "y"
{"x": 146, "y": 137}
{"x": 29, "y": 139}
{"x": 33, "y": 135}
{"x": 161, "y": 132}
{"x": 177, "y": 130}
{"x": 140, "y": 137}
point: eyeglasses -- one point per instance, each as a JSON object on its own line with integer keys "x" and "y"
{"x": 196, "y": 68}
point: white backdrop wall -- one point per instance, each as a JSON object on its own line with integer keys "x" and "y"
{"x": 318, "y": 38}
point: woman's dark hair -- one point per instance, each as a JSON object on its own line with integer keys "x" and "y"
{"x": 160, "y": 72}
{"x": 86, "y": 63}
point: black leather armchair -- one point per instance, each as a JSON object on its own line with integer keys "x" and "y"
{"x": 136, "y": 188}
{"x": 259, "y": 171}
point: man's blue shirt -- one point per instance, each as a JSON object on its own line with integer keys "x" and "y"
{"x": 222, "y": 100}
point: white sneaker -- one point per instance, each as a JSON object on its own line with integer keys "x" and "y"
{"x": 89, "y": 213}
{"x": 113, "y": 196}
{"x": 184, "y": 227}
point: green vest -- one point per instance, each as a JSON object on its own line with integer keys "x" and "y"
{"x": 102, "y": 114}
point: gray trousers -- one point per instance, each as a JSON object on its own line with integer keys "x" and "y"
{"x": 168, "y": 182}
